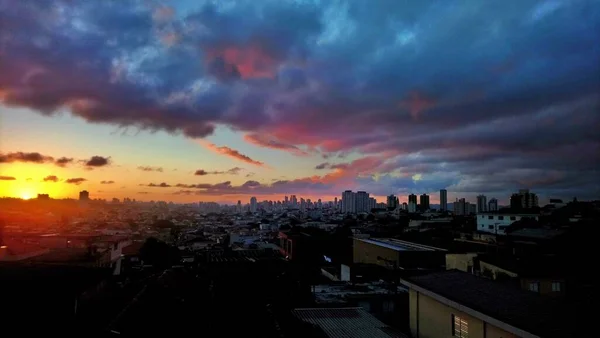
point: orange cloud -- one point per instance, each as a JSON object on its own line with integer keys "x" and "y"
{"x": 232, "y": 153}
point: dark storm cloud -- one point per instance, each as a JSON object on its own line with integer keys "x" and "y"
{"x": 76, "y": 181}
{"x": 7, "y": 178}
{"x": 305, "y": 185}
{"x": 519, "y": 91}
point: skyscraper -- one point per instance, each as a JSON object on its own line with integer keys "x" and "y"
{"x": 523, "y": 200}
{"x": 348, "y": 202}
{"x": 493, "y": 205}
{"x": 84, "y": 195}
{"x": 392, "y": 202}
{"x": 362, "y": 201}
{"x": 481, "y": 203}
{"x": 424, "y": 202}
{"x": 372, "y": 203}
{"x": 461, "y": 207}
{"x": 253, "y": 204}
{"x": 412, "y": 198}
{"x": 443, "y": 200}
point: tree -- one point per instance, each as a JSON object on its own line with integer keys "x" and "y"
{"x": 159, "y": 254}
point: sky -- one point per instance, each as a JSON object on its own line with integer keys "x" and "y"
{"x": 223, "y": 100}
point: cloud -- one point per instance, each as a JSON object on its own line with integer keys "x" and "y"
{"x": 97, "y": 161}
{"x": 76, "y": 181}
{"x": 273, "y": 143}
{"x": 52, "y": 178}
{"x": 63, "y": 161}
{"x": 232, "y": 153}
{"x": 329, "y": 78}
{"x": 143, "y": 192}
{"x": 323, "y": 166}
{"x": 7, "y": 178}
{"x": 107, "y": 182}
{"x": 232, "y": 171}
{"x": 160, "y": 185}
{"x": 148, "y": 168}
{"x": 24, "y": 157}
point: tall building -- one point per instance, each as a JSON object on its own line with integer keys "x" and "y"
{"x": 362, "y": 201}
{"x": 392, "y": 202}
{"x": 443, "y": 200}
{"x": 84, "y": 195}
{"x": 461, "y": 207}
{"x": 335, "y": 203}
{"x": 481, "y": 203}
{"x": 424, "y": 202}
{"x": 348, "y": 202}
{"x": 523, "y": 200}
{"x": 493, "y": 204}
{"x": 412, "y": 207}
{"x": 412, "y": 198}
{"x": 372, "y": 203}
{"x": 294, "y": 201}
{"x": 253, "y": 204}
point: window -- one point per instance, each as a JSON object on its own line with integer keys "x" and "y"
{"x": 491, "y": 227}
{"x": 555, "y": 286}
{"x": 513, "y": 218}
{"x": 490, "y": 217}
{"x": 500, "y": 218}
{"x": 460, "y": 327}
{"x": 534, "y": 286}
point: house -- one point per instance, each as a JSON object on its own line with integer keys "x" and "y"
{"x": 496, "y": 222}
{"x": 396, "y": 254}
{"x": 457, "y": 304}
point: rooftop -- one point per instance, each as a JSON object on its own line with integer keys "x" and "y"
{"x": 339, "y": 293}
{"x": 352, "y": 322}
{"x": 398, "y": 245}
{"x": 523, "y": 310}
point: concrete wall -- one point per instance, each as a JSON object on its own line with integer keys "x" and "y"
{"x": 367, "y": 253}
{"x": 432, "y": 319}
{"x": 460, "y": 262}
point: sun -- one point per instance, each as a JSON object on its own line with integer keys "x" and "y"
{"x": 26, "y": 195}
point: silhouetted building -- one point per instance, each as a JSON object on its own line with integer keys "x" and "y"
{"x": 493, "y": 205}
{"x": 361, "y": 199}
{"x": 424, "y": 202}
{"x": 523, "y": 200}
{"x": 43, "y": 197}
{"x": 392, "y": 202}
{"x": 84, "y": 195}
{"x": 412, "y": 198}
{"x": 481, "y": 203}
{"x": 396, "y": 254}
{"x": 461, "y": 207}
{"x": 443, "y": 200}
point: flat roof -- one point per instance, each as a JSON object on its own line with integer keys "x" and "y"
{"x": 398, "y": 245}
{"x": 350, "y": 322}
{"x": 523, "y": 313}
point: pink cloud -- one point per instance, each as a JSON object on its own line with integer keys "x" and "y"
{"x": 266, "y": 141}
{"x": 223, "y": 150}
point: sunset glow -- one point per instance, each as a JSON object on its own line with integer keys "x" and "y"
{"x": 218, "y": 103}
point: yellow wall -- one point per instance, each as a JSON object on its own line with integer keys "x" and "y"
{"x": 368, "y": 253}
{"x": 460, "y": 261}
{"x": 434, "y": 320}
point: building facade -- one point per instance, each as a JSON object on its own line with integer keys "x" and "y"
{"x": 348, "y": 202}
{"x": 481, "y": 203}
{"x": 424, "y": 202}
{"x": 496, "y": 223}
{"x": 493, "y": 205}
{"x": 443, "y": 200}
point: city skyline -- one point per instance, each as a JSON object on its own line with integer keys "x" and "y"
{"x": 187, "y": 102}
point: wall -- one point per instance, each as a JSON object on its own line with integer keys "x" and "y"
{"x": 498, "y": 225}
{"x": 495, "y": 270}
{"x": 434, "y": 320}
{"x": 367, "y": 253}
{"x": 545, "y": 285}
{"x": 460, "y": 262}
